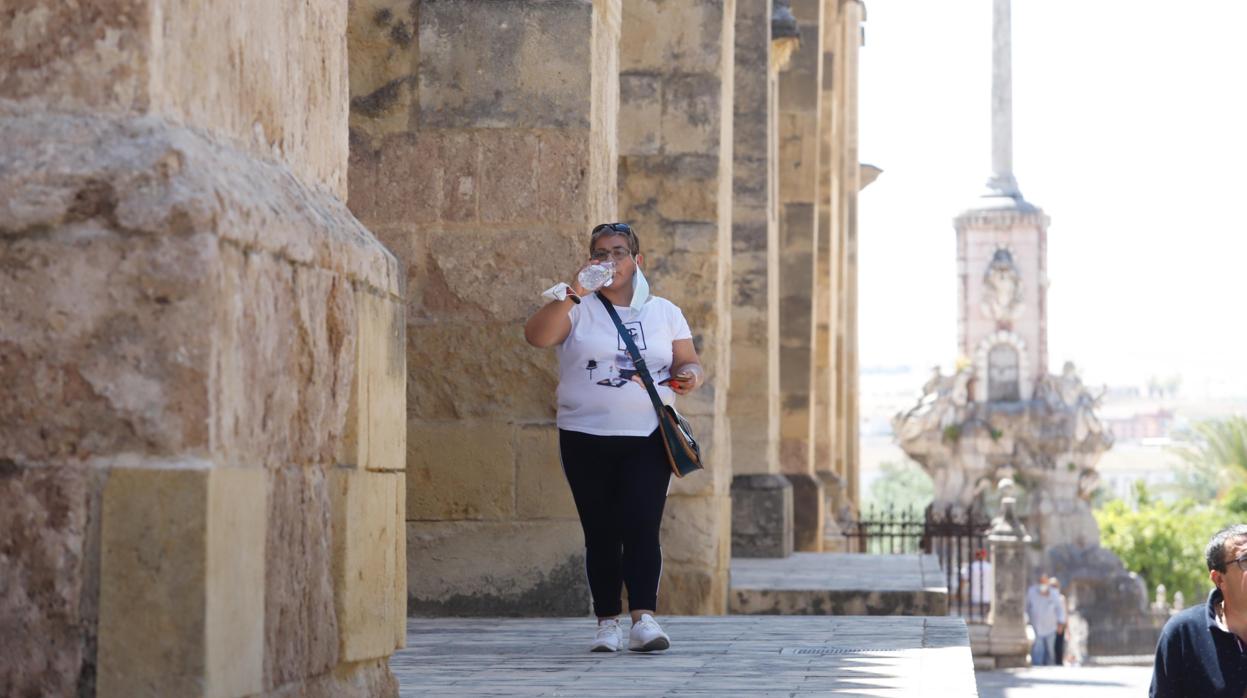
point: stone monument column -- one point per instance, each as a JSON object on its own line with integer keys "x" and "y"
{"x": 201, "y": 441}
{"x": 675, "y": 187}
{"x": 1002, "y": 180}
{"x": 483, "y": 149}
{"x": 1002, "y": 257}
{"x": 1007, "y": 639}
{"x": 761, "y": 497}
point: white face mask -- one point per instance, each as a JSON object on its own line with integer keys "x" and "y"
{"x": 1043, "y": 588}
{"x": 640, "y": 290}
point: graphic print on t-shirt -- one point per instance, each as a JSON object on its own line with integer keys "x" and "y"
{"x": 623, "y": 369}
{"x": 594, "y": 368}
{"x": 638, "y": 336}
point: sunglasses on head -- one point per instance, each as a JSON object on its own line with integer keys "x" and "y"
{"x": 617, "y": 227}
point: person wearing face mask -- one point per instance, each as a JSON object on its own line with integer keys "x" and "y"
{"x": 1045, "y": 614}
{"x": 1202, "y": 651}
{"x": 612, "y": 451}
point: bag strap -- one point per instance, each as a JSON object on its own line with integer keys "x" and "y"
{"x": 637, "y": 360}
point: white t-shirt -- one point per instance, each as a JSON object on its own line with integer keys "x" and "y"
{"x": 980, "y": 591}
{"x": 596, "y": 394}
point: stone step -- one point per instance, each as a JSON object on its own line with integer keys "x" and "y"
{"x": 838, "y": 584}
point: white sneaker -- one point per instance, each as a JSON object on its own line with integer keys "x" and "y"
{"x": 607, "y": 639}
{"x": 647, "y": 635}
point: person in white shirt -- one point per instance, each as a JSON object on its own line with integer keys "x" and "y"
{"x": 978, "y": 581}
{"x": 1045, "y": 613}
{"x": 612, "y": 451}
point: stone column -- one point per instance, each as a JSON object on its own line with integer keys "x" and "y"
{"x": 675, "y": 188}
{"x": 1007, "y": 639}
{"x": 845, "y": 182}
{"x": 1002, "y": 181}
{"x": 482, "y": 150}
{"x": 799, "y": 133}
{"x": 761, "y": 498}
{"x": 201, "y": 441}
{"x": 823, "y": 376}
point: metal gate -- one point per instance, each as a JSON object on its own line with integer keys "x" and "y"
{"x": 957, "y": 538}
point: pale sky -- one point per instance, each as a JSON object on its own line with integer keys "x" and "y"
{"x": 1130, "y": 131}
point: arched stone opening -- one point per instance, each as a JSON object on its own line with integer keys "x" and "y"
{"x": 1002, "y": 374}
{"x": 1001, "y": 365}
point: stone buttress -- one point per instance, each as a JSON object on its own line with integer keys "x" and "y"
{"x": 201, "y": 446}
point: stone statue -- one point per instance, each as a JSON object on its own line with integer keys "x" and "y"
{"x": 1002, "y": 288}
{"x": 944, "y": 399}
{"x": 960, "y": 392}
{"x": 926, "y": 414}
{"x": 1088, "y": 482}
{"x": 1066, "y": 393}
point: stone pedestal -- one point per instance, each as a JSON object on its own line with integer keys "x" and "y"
{"x": 1109, "y": 610}
{"x": 1007, "y": 541}
{"x": 808, "y": 518}
{"x": 833, "y": 507}
{"x": 761, "y": 516}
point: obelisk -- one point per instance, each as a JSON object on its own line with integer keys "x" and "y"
{"x": 1002, "y": 256}
{"x": 1002, "y": 182}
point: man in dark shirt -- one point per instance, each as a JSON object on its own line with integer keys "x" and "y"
{"x": 1202, "y": 652}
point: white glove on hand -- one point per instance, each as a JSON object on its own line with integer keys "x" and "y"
{"x": 560, "y": 291}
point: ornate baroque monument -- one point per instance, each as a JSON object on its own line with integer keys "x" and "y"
{"x": 1001, "y": 414}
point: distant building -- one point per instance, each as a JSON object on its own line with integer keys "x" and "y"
{"x": 1150, "y": 425}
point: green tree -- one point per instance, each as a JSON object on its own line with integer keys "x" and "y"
{"x": 901, "y": 486}
{"x": 1215, "y": 457}
{"x": 1162, "y": 542}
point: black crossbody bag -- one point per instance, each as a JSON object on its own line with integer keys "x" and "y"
{"x": 683, "y": 453}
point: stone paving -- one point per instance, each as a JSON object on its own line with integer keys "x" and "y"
{"x": 1066, "y": 682}
{"x": 839, "y": 584}
{"x": 710, "y": 656}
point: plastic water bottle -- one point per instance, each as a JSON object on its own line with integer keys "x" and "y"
{"x": 597, "y": 275}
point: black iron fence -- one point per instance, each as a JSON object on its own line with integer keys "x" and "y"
{"x": 957, "y": 537}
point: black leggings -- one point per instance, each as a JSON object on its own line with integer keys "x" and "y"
{"x": 620, "y": 486}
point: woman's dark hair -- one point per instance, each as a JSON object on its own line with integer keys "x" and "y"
{"x": 609, "y": 229}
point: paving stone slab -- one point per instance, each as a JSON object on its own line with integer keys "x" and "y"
{"x": 710, "y": 656}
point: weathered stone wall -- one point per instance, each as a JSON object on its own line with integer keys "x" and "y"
{"x": 482, "y": 150}
{"x": 675, "y": 187}
{"x": 201, "y": 448}
{"x": 270, "y": 84}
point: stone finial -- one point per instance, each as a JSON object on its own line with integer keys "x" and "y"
{"x": 1007, "y": 525}
{"x": 1005, "y": 486}
{"x": 1179, "y": 601}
